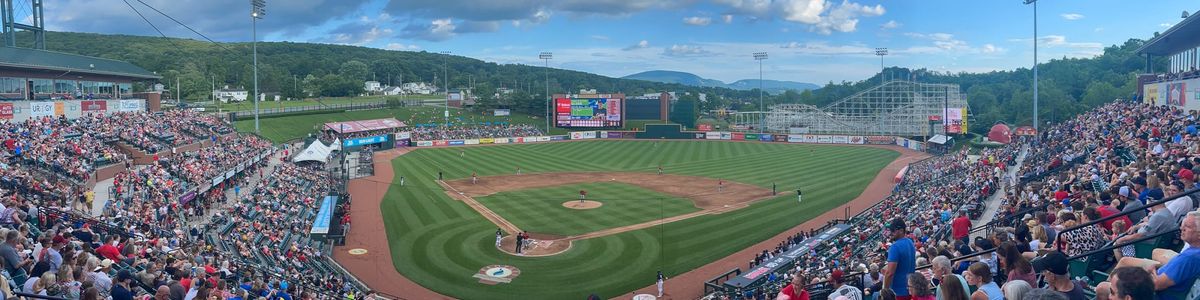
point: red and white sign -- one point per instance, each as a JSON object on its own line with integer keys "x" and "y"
{"x": 704, "y": 127}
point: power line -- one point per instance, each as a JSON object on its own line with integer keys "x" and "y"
{"x": 181, "y": 24}
{"x": 152, "y": 25}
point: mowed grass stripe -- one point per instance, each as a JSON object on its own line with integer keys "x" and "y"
{"x": 612, "y": 265}
{"x": 540, "y": 210}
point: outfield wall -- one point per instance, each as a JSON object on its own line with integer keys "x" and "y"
{"x": 711, "y": 135}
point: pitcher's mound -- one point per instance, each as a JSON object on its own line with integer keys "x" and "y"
{"x": 586, "y": 204}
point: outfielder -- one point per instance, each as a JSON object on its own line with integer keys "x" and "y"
{"x": 401, "y": 180}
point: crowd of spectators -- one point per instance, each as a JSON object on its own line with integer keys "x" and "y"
{"x": 65, "y": 147}
{"x": 1113, "y": 159}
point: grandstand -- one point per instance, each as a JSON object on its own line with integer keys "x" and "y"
{"x": 896, "y": 108}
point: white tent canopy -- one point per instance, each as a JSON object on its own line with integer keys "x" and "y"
{"x": 940, "y": 139}
{"x": 315, "y": 152}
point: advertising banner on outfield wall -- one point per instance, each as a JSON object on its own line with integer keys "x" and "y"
{"x": 857, "y": 140}
{"x": 764, "y": 137}
{"x": 795, "y": 138}
{"x": 824, "y": 139}
{"x": 440, "y": 143}
{"x": 614, "y": 135}
{"x": 738, "y": 136}
{"x": 880, "y": 140}
{"x": 424, "y": 143}
{"x": 712, "y": 135}
{"x": 487, "y": 141}
{"x": 781, "y": 137}
{"x": 602, "y": 135}
{"x": 576, "y": 135}
{"x": 456, "y": 142}
{"x": 555, "y": 138}
{"x": 471, "y": 142}
{"x": 726, "y": 135}
{"x": 699, "y": 136}
{"x": 841, "y": 139}
{"x": 750, "y": 136}
{"x": 500, "y": 140}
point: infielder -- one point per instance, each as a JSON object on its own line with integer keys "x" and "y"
{"x": 661, "y": 278}
{"x": 582, "y": 195}
{"x": 499, "y": 235}
{"x": 720, "y": 185}
{"x": 474, "y": 178}
{"x": 660, "y": 171}
{"x": 518, "y": 170}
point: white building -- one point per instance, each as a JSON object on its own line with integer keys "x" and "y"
{"x": 392, "y": 91}
{"x": 227, "y": 94}
{"x": 418, "y": 88}
{"x": 372, "y": 86}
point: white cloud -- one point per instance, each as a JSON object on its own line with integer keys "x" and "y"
{"x": 1165, "y": 25}
{"x": 640, "y": 45}
{"x": 697, "y": 21}
{"x": 891, "y": 25}
{"x": 822, "y": 16}
{"x": 685, "y": 50}
{"x": 1072, "y": 16}
{"x": 399, "y": 46}
{"x": 1098, "y": 29}
{"x": 824, "y": 48}
{"x": 727, "y": 18}
{"x": 1066, "y": 47}
{"x": 599, "y": 37}
{"x": 989, "y": 48}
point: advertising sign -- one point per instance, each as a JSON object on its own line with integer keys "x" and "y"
{"x": 824, "y": 139}
{"x": 704, "y": 127}
{"x": 94, "y": 106}
{"x": 547, "y": 139}
{"x": 712, "y": 135}
{"x": 841, "y": 139}
{"x": 403, "y": 135}
{"x": 59, "y": 108}
{"x": 424, "y": 143}
{"x": 764, "y": 137}
{"x": 576, "y": 135}
{"x": 588, "y": 112}
{"x": 6, "y": 111}
{"x": 183, "y": 200}
{"x": 364, "y": 141}
{"x": 131, "y": 105}
{"x": 795, "y": 138}
{"x": 501, "y": 140}
{"x": 781, "y": 137}
{"x": 456, "y": 142}
{"x": 41, "y": 109}
{"x": 857, "y": 140}
{"x": 557, "y": 137}
{"x": 501, "y": 112}
{"x": 880, "y": 140}
{"x": 738, "y": 136}
{"x": 471, "y": 142}
{"x": 440, "y": 143}
{"x": 487, "y": 141}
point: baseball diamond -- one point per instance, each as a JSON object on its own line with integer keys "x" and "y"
{"x": 645, "y": 224}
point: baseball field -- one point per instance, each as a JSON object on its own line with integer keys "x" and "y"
{"x": 714, "y": 199}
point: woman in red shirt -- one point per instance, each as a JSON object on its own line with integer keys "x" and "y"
{"x": 795, "y": 290}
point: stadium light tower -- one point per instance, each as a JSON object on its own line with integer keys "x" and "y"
{"x": 446, "y": 79}
{"x": 760, "y": 56}
{"x": 257, "y": 12}
{"x": 1035, "y": 65}
{"x": 881, "y": 52}
{"x": 546, "y": 56}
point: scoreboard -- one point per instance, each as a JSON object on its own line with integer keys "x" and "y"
{"x": 589, "y": 111}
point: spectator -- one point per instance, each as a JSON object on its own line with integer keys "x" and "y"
{"x": 840, "y": 289}
{"x": 980, "y": 276}
{"x": 919, "y": 287}
{"x": 1174, "y": 279}
{"x": 793, "y": 291}
{"x": 1016, "y": 289}
{"x": 1044, "y": 294}
{"x": 901, "y": 260}
{"x": 1126, "y": 283}
{"x": 1053, "y": 267}
{"x": 953, "y": 287}
{"x": 1016, "y": 266}
{"x": 122, "y": 289}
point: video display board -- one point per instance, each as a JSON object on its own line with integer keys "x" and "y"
{"x": 588, "y": 112}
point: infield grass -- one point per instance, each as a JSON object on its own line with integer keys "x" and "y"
{"x": 440, "y": 243}
{"x": 541, "y": 210}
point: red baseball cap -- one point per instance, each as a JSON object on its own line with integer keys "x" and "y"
{"x": 836, "y": 275}
{"x": 58, "y": 239}
{"x": 1185, "y": 174}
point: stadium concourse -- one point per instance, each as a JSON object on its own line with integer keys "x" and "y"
{"x": 1094, "y": 194}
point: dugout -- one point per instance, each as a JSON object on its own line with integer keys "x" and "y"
{"x": 665, "y": 131}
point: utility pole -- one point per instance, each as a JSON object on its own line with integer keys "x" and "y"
{"x": 446, "y": 79}
{"x": 258, "y": 12}
{"x": 546, "y": 56}
{"x": 1035, "y": 65}
{"x": 760, "y": 56}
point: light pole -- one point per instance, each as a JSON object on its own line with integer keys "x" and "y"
{"x": 881, "y": 52}
{"x": 446, "y": 79}
{"x": 760, "y": 56}
{"x": 257, "y": 13}
{"x": 1035, "y": 65}
{"x": 546, "y": 56}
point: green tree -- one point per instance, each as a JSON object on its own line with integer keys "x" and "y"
{"x": 354, "y": 70}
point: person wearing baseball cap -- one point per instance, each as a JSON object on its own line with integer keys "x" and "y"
{"x": 901, "y": 260}
{"x": 841, "y": 289}
{"x": 1053, "y": 267}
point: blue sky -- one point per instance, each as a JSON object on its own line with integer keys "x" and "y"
{"x": 806, "y": 40}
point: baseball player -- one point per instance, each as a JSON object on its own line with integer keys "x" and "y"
{"x": 518, "y": 170}
{"x": 582, "y": 195}
{"x": 720, "y": 184}
{"x": 660, "y": 171}
{"x": 474, "y": 178}
{"x": 773, "y": 189}
{"x": 520, "y": 239}
{"x": 499, "y": 235}
{"x": 661, "y": 278}
{"x": 462, "y": 153}
{"x": 402, "y": 180}
{"x": 799, "y": 198}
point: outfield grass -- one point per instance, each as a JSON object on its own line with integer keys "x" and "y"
{"x": 440, "y": 243}
{"x": 541, "y": 210}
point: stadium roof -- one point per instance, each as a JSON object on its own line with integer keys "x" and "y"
{"x": 58, "y": 61}
{"x": 1182, "y": 36}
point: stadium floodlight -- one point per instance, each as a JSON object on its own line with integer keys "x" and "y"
{"x": 546, "y": 56}
{"x": 881, "y": 52}
{"x": 446, "y": 79}
{"x": 760, "y": 56}
{"x": 258, "y": 10}
{"x": 1035, "y": 65}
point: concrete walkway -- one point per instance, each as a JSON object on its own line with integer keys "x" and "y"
{"x": 994, "y": 201}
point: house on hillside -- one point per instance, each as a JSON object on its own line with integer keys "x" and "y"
{"x": 372, "y": 87}
{"x": 226, "y": 94}
{"x": 392, "y": 91}
{"x": 418, "y": 88}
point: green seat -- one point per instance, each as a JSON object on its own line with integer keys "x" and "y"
{"x": 1144, "y": 249}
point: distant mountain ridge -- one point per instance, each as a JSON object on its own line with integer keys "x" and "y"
{"x": 684, "y": 78}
